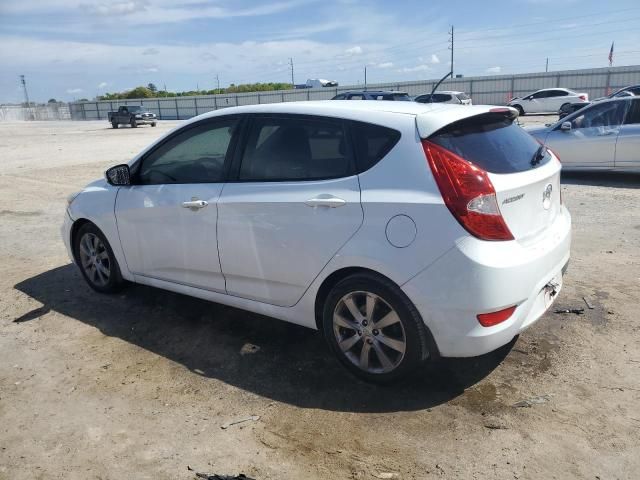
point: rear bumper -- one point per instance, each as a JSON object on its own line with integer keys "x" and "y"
{"x": 481, "y": 277}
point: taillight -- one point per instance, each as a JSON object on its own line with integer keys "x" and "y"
{"x": 467, "y": 192}
{"x": 494, "y": 318}
{"x": 583, "y": 97}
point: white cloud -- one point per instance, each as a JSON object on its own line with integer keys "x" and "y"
{"x": 417, "y": 68}
{"x": 115, "y": 8}
{"x": 385, "y": 65}
{"x": 494, "y": 70}
{"x": 102, "y": 85}
{"x": 150, "y": 51}
{"x": 74, "y": 90}
{"x": 357, "y": 50}
{"x": 435, "y": 59}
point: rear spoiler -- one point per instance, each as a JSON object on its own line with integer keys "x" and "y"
{"x": 431, "y": 122}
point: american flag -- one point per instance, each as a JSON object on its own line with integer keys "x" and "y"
{"x": 611, "y": 55}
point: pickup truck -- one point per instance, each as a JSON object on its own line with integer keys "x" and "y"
{"x": 131, "y": 115}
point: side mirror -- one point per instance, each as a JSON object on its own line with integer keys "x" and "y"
{"x": 118, "y": 176}
{"x": 566, "y": 126}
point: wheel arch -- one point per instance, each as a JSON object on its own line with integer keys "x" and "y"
{"x": 75, "y": 227}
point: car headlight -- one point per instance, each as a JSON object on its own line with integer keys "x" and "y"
{"x": 138, "y": 116}
{"x": 71, "y": 198}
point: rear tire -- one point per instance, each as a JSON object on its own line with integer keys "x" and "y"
{"x": 134, "y": 124}
{"x": 153, "y": 124}
{"x": 374, "y": 329}
{"x": 520, "y": 110}
{"x": 96, "y": 260}
{"x": 114, "y": 124}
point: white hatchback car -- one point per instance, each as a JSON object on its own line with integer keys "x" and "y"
{"x": 547, "y": 100}
{"x": 403, "y": 231}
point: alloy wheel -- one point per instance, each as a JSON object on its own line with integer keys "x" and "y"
{"x": 369, "y": 332}
{"x": 94, "y": 259}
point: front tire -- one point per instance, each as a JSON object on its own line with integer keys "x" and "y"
{"x": 96, "y": 260}
{"x": 374, "y": 329}
{"x": 134, "y": 124}
{"x": 114, "y": 124}
{"x": 520, "y": 110}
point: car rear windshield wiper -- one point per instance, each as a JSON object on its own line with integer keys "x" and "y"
{"x": 541, "y": 152}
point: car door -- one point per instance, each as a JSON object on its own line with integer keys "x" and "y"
{"x": 628, "y": 142}
{"x": 555, "y": 99}
{"x": 591, "y": 141}
{"x": 167, "y": 218}
{"x": 294, "y": 203}
{"x": 535, "y": 102}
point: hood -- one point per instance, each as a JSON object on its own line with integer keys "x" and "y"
{"x": 539, "y": 132}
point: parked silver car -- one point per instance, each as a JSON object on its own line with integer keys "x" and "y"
{"x": 604, "y": 135}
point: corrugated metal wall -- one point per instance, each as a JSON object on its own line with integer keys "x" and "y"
{"x": 493, "y": 90}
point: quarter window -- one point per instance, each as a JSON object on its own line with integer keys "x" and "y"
{"x": 195, "y": 155}
{"x": 372, "y": 143}
{"x": 280, "y": 149}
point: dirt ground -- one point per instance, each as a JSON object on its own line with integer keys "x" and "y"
{"x": 139, "y": 385}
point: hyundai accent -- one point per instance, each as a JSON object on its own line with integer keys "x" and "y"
{"x": 402, "y": 231}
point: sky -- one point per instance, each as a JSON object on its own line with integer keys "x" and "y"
{"x": 72, "y": 49}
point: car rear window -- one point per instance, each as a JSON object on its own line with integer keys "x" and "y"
{"x": 492, "y": 142}
{"x": 462, "y": 96}
{"x": 372, "y": 143}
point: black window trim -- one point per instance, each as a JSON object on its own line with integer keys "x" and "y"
{"x": 135, "y": 168}
{"x": 234, "y": 172}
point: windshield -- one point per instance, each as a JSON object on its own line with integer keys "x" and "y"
{"x": 134, "y": 108}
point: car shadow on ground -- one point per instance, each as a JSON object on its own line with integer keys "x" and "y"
{"x": 605, "y": 178}
{"x": 293, "y": 364}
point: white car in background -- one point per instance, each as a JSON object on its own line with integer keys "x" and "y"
{"x": 547, "y": 100}
{"x": 445, "y": 96}
{"x": 403, "y": 231}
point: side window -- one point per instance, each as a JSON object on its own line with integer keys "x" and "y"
{"x": 609, "y": 114}
{"x": 195, "y": 155}
{"x": 339, "y": 97}
{"x": 357, "y": 96}
{"x": 557, "y": 93}
{"x": 280, "y": 149}
{"x": 372, "y": 143}
{"x": 633, "y": 117}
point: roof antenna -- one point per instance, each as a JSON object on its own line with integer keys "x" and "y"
{"x": 438, "y": 84}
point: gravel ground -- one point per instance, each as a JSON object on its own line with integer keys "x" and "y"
{"x": 138, "y": 385}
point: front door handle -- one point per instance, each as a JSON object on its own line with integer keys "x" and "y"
{"x": 330, "y": 201}
{"x": 195, "y": 204}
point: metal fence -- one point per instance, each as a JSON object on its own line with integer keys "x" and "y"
{"x": 17, "y": 113}
{"x": 492, "y": 90}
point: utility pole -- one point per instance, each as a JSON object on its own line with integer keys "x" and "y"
{"x": 546, "y": 68}
{"x": 451, "y": 48}
{"x": 217, "y": 83}
{"x": 291, "y": 66}
{"x": 365, "y": 78}
{"x": 24, "y": 88}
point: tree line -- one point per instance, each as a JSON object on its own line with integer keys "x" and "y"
{"x": 151, "y": 91}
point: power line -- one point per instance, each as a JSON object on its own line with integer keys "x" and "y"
{"x": 573, "y": 17}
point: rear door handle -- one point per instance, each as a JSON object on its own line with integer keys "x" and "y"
{"x": 330, "y": 201}
{"x": 195, "y": 204}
